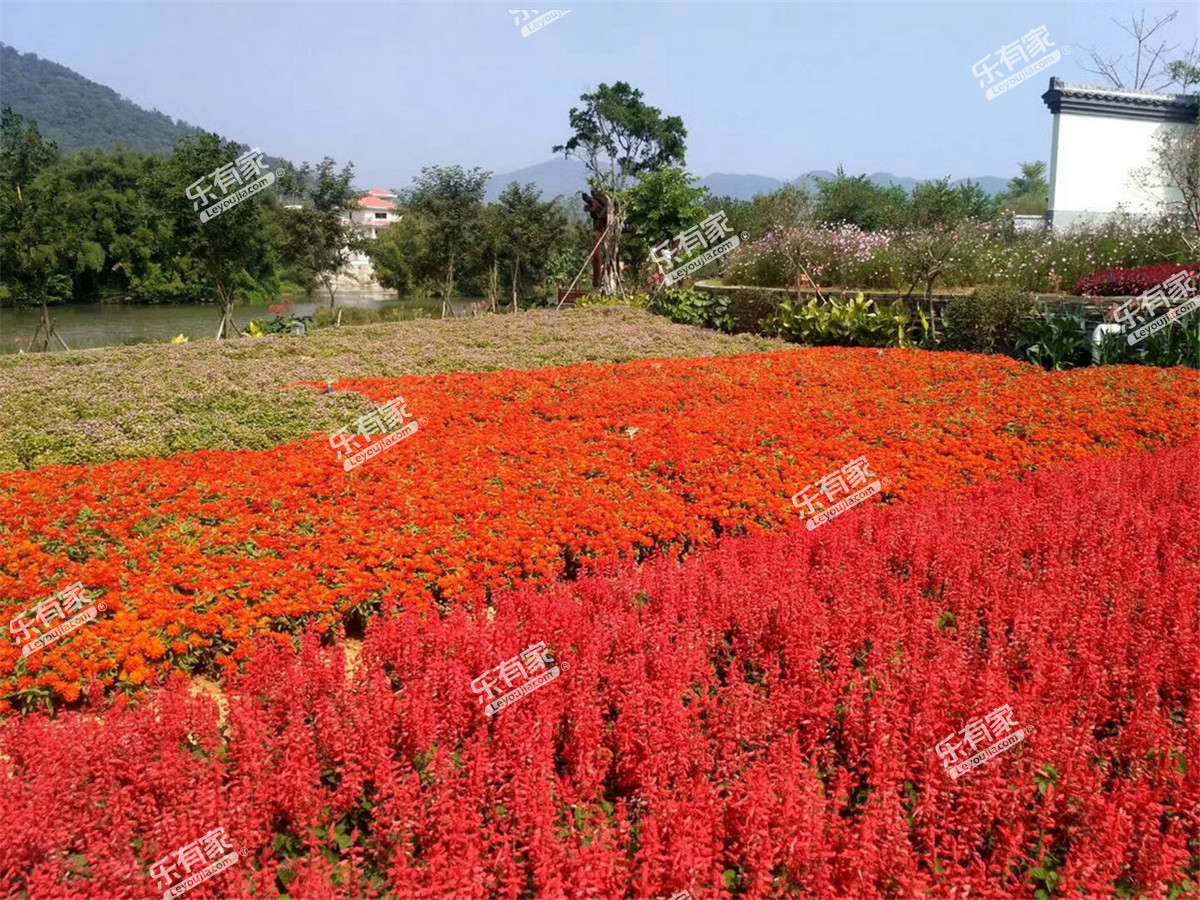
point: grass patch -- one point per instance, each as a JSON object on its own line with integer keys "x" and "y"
{"x": 90, "y": 406}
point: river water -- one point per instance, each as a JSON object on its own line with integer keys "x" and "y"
{"x": 107, "y": 325}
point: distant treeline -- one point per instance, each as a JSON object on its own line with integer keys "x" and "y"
{"x": 116, "y": 225}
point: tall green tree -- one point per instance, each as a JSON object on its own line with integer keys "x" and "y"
{"x": 401, "y": 255}
{"x": 620, "y": 139}
{"x": 491, "y": 245}
{"x": 231, "y": 247}
{"x": 777, "y": 211}
{"x": 1029, "y": 192}
{"x": 119, "y": 233}
{"x": 661, "y": 205}
{"x": 450, "y": 198}
{"x": 1186, "y": 72}
{"x": 937, "y": 203}
{"x": 294, "y": 233}
{"x": 857, "y": 201}
{"x": 317, "y": 238}
{"x": 534, "y": 232}
{"x": 35, "y": 248}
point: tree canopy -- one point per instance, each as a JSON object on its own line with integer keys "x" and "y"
{"x": 316, "y": 239}
{"x": 620, "y": 138}
{"x": 450, "y": 198}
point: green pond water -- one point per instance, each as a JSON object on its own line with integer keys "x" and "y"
{"x": 108, "y": 325}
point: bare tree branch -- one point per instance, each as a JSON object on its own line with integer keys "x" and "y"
{"x": 1147, "y": 58}
{"x": 1106, "y": 69}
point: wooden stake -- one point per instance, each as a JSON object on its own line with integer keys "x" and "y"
{"x": 585, "y": 265}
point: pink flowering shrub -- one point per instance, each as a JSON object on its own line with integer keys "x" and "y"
{"x": 841, "y": 255}
{"x": 983, "y": 253}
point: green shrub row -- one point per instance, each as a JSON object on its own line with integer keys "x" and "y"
{"x": 689, "y": 306}
{"x": 1001, "y": 319}
{"x": 857, "y": 321}
{"x": 1006, "y": 320}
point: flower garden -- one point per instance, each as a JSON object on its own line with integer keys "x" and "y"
{"x": 746, "y": 708}
{"x": 967, "y": 254}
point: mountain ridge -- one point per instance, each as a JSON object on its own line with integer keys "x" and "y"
{"x": 564, "y": 177}
{"x": 80, "y": 114}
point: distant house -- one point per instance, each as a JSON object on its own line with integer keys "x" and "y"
{"x": 1103, "y": 145}
{"x": 374, "y": 211}
{"x": 371, "y": 213}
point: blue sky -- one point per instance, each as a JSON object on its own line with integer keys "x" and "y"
{"x": 766, "y": 88}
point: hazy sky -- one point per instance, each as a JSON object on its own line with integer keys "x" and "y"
{"x": 767, "y": 88}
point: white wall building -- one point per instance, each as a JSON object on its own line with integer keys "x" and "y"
{"x": 1102, "y": 152}
{"x": 372, "y": 212}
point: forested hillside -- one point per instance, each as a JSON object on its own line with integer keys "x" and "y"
{"x": 78, "y": 114}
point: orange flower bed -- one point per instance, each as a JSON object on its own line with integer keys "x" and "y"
{"x": 519, "y": 476}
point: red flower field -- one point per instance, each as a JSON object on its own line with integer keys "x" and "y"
{"x": 759, "y": 720}
{"x": 519, "y": 477}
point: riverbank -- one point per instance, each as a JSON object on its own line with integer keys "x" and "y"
{"x": 91, "y": 325}
{"x": 88, "y": 406}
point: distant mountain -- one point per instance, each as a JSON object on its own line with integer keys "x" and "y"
{"x": 740, "y": 187}
{"x": 568, "y": 177}
{"x": 556, "y": 177}
{"x": 78, "y": 114}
